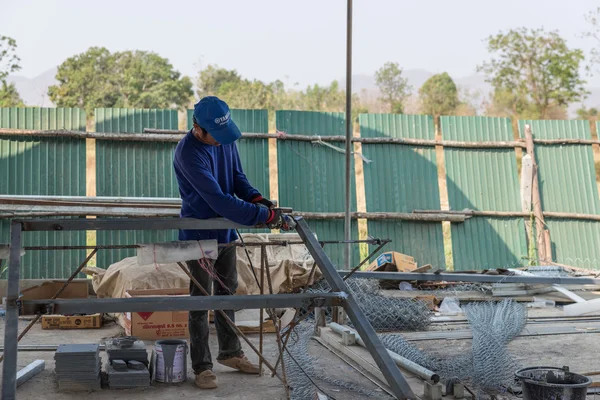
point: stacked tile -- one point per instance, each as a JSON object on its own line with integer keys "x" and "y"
{"x": 78, "y": 367}
{"x": 126, "y": 350}
{"x": 133, "y": 374}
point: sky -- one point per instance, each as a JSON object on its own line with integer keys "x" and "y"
{"x": 300, "y": 42}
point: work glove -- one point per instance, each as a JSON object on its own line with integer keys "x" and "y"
{"x": 278, "y": 220}
{"x": 262, "y": 201}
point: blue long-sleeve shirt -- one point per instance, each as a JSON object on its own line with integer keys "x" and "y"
{"x": 210, "y": 178}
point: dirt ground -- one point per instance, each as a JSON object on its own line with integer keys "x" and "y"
{"x": 578, "y": 351}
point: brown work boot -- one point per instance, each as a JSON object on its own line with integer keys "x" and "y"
{"x": 206, "y": 380}
{"x": 242, "y": 364}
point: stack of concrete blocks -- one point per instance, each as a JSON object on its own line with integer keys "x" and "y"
{"x": 127, "y": 365}
{"x": 78, "y": 367}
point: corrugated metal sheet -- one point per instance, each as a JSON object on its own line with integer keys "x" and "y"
{"x": 402, "y": 179}
{"x": 136, "y": 169}
{"x": 32, "y": 165}
{"x": 566, "y": 173}
{"x": 487, "y": 180}
{"x": 568, "y": 184}
{"x": 312, "y": 176}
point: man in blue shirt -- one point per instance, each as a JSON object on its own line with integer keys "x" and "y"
{"x": 212, "y": 184}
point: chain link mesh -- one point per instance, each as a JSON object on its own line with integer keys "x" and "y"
{"x": 384, "y": 313}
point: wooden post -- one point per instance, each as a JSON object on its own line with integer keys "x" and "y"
{"x": 542, "y": 235}
{"x": 526, "y": 187}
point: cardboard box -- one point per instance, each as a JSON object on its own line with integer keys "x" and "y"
{"x": 401, "y": 262}
{"x": 392, "y": 261}
{"x": 93, "y": 321}
{"x": 74, "y": 290}
{"x": 157, "y": 325}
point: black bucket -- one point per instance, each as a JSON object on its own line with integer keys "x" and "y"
{"x": 550, "y": 383}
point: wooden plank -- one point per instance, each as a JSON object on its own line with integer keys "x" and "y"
{"x": 529, "y": 330}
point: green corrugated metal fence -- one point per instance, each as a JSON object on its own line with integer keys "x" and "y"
{"x": 133, "y": 169}
{"x": 312, "y": 176}
{"x": 487, "y": 180}
{"x": 402, "y": 179}
{"x": 31, "y": 165}
{"x": 567, "y": 180}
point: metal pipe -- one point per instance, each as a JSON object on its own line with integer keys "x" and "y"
{"x": 402, "y": 362}
{"x": 348, "y": 194}
{"x": 448, "y": 277}
{"x": 11, "y": 325}
{"x": 189, "y": 303}
{"x": 388, "y": 368}
{"x": 129, "y": 224}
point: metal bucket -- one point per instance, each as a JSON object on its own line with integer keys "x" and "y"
{"x": 169, "y": 361}
{"x": 550, "y": 383}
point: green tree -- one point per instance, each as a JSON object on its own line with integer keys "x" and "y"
{"x": 535, "y": 69}
{"x": 439, "y": 95}
{"x": 9, "y": 96}
{"x": 147, "y": 80}
{"x": 211, "y": 79}
{"x": 588, "y": 113}
{"x": 9, "y": 63}
{"x": 99, "y": 78}
{"x": 393, "y": 86}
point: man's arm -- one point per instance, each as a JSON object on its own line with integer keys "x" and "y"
{"x": 236, "y": 210}
{"x": 242, "y": 187}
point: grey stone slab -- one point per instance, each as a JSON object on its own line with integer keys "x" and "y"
{"x": 133, "y": 364}
{"x": 83, "y": 349}
{"x": 119, "y": 365}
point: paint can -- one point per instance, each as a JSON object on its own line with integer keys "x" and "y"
{"x": 169, "y": 361}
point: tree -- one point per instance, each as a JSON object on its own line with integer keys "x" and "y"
{"x": 147, "y": 80}
{"x": 9, "y": 63}
{"x": 9, "y": 96}
{"x": 439, "y": 95}
{"x": 587, "y": 113}
{"x": 99, "y": 78}
{"x": 393, "y": 87}
{"x": 593, "y": 19}
{"x": 213, "y": 77}
{"x": 535, "y": 69}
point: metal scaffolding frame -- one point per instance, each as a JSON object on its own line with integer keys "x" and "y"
{"x": 340, "y": 297}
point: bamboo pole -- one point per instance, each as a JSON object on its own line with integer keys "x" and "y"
{"x": 543, "y": 242}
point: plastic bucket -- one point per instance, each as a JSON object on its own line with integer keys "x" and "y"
{"x": 169, "y": 361}
{"x": 550, "y": 383}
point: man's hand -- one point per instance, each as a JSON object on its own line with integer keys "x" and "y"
{"x": 265, "y": 202}
{"x": 278, "y": 220}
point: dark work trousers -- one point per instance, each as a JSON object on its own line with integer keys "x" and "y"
{"x": 229, "y": 343}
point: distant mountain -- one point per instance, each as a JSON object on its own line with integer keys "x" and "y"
{"x": 34, "y": 91}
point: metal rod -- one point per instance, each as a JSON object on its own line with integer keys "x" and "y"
{"x": 449, "y": 277}
{"x": 11, "y": 326}
{"x": 348, "y": 157}
{"x": 227, "y": 319}
{"x": 390, "y": 371}
{"x": 128, "y": 224}
{"x": 364, "y": 261}
{"x": 276, "y": 321}
{"x": 262, "y": 311}
{"x": 403, "y": 362}
{"x": 146, "y": 304}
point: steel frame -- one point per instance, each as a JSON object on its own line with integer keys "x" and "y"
{"x": 341, "y": 296}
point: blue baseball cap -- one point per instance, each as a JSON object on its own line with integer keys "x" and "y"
{"x": 213, "y": 114}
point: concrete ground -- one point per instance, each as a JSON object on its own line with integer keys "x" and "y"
{"x": 578, "y": 351}
{"x": 232, "y": 384}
